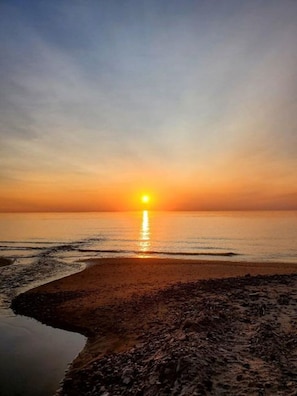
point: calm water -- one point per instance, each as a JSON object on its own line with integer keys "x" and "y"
{"x": 264, "y": 236}
{"x": 48, "y": 246}
{"x": 34, "y": 357}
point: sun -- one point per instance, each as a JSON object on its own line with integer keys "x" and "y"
{"x": 145, "y": 199}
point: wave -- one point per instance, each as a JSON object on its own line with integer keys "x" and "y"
{"x": 158, "y": 252}
{"x": 21, "y": 248}
{"x": 31, "y": 242}
{"x": 52, "y": 249}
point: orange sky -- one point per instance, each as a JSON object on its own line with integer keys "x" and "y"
{"x": 195, "y": 106}
{"x": 211, "y": 191}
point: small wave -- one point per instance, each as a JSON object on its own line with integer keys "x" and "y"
{"x": 223, "y": 254}
{"x": 64, "y": 247}
{"x": 31, "y": 242}
{"x": 116, "y": 251}
{"x": 95, "y": 239}
{"x": 20, "y": 248}
{"x": 156, "y": 252}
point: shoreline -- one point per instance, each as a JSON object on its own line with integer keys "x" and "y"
{"x": 110, "y": 281}
{"x": 123, "y": 305}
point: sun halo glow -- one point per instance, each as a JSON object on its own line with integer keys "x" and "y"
{"x": 145, "y": 199}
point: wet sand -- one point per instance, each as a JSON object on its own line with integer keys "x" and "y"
{"x": 167, "y": 326}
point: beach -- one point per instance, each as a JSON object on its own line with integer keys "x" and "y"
{"x": 180, "y": 327}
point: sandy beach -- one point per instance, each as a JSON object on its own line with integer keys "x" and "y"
{"x": 180, "y": 327}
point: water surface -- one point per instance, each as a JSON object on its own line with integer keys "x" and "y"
{"x": 254, "y": 236}
{"x": 34, "y": 357}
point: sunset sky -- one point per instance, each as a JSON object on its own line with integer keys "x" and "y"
{"x": 191, "y": 101}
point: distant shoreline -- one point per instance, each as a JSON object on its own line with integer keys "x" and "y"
{"x": 118, "y": 302}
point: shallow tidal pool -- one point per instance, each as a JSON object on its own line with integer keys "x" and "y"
{"x": 33, "y": 356}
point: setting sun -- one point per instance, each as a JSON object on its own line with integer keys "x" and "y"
{"x": 145, "y": 199}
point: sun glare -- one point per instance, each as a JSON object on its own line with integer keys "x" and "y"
{"x": 145, "y": 199}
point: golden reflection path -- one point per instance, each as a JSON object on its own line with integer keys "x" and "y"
{"x": 144, "y": 237}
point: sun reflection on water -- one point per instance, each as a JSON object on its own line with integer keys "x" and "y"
{"x": 144, "y": 237}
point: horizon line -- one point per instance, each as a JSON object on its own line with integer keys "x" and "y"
{"x": 153, "y": 210}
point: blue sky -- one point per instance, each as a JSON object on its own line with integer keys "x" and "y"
{"x": 191, "y": 98}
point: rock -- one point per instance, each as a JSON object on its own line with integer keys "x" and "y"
{"x": 126, "y": 380}
{"x": 127, "y": 375}
{"x": 283, "y": 299}
{"x": 208, "y": 384}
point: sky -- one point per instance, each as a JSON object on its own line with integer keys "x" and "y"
{"x": 193, "y": 102}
